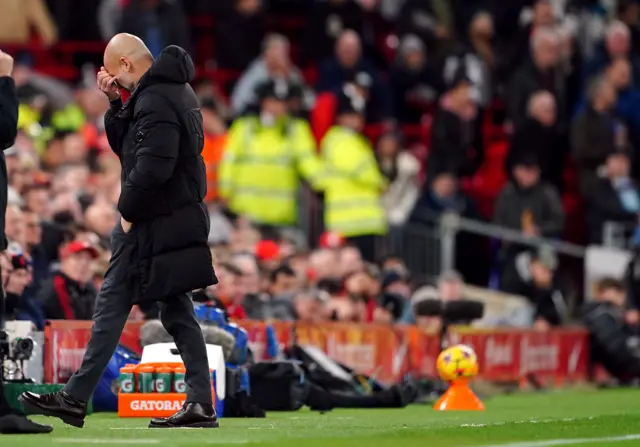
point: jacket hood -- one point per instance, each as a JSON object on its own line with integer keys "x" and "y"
{"x": 172, "y": 65}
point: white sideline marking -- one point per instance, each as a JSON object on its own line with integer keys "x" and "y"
{"x": 558, "y": 442}
{"x": 530, "y": 421}
{"x": 106, "y": 441}
{"x": 154, "y": 429}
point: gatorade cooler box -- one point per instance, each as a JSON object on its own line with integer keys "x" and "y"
{"x": 156, "y": 386}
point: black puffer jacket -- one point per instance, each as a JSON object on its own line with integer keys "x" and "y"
{"x": 158, "y": 136}
{"x": 8, "y": 132}
{"x": 611, "y": 340}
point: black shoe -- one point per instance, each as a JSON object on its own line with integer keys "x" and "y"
{"x": 191, "y": 415}
{"x": 14, "y": 424}
{"x": 58, "y": 405}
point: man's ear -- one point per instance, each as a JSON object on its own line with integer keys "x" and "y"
{"x": 125, "y": 64}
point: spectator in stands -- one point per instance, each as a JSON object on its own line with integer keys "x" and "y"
{"x": 70, "y": 293}
{"x": 632, "y": 279}
{"x": 254, "y": 300}
{"x": 363, "y": 291}
{"x": 308, "y": 306}
{"x": 431, "y": 21}
{"x": 324, "y": 266}
{"x": 413, "y": 81}
{"x": 532, "y": 275}
{"x": 389, "y": 309}
{"x": 401, "y": 169}
{"x": 615, "y": 199}
{"x": 100, "y": 217}
{"x": 616, "y": 45}
{"x": 36, "y": 198}
{"x": 215, "y": 139}
{"x": 17, "y": 17}
{"x": 395, "y": 281}
{"x": 627, "y": 107}
{"x": 350, "y": 260}
{"x": 528, "y": 204}
{"x": 230, "y": 291}
{"x": 478, "y": 58}
{"x": 455, "y": 142}
{"x": 283, "y": 283}
{"x": 442, "y": 195}
{"x": 268, "y": 254}
{"x": 628, "y": 12}
{"x": 450, "y": 287}
{"x": 541, "y": 73}
{"x": 159, "y": 23}
{"x": 325, "y": 22}
{"x": 16, "y": 276}
{"x": 93, "y": 106}
{"x": 593, "y": 133}
{"x": 239, "y": 34}
{"x": 109, "y": 15}
{"x": 275, "y": 63}
{"x": 354, "y": 185}
{"x": 519, "y": 49}
{"x": 263, "y": 159}
{"x": 36, "y": 254}
{"x": 15, "y": 225}
{"x": 613, "y": 341}
{"x": 348, "y": 60}
{"x": 539, "y": 136}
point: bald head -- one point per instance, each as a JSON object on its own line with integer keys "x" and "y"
{"x": 127, "y": 58}
{"x": 348, "y": 48}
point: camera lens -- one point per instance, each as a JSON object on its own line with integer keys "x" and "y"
{"x": 23, "y": 348}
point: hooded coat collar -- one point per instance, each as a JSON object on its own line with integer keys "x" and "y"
{"x": 172, "y": 66}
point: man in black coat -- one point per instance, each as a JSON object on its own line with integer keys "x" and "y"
{"x": 613, "y": 336}
{"x": 614, "y": 199}
{"x": 159, "y": 250}
{"x": 11, "y": 422}
{"x": 542, "y": 72}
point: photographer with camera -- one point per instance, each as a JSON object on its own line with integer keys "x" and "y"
{"x": 16, "y": 273}
{"x": 614, "y": 339}
{"x": 11, "y": 422}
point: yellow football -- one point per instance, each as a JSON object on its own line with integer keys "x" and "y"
{"x": 457, "y": 362}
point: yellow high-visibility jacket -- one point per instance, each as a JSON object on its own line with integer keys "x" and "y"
{"x": 353, "y": 185}
{"x": 260, "y": 169}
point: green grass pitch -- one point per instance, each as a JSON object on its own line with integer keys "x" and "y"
{"x": 576, "y": 418}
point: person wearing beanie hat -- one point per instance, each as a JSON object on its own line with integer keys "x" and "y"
{"x": 265, "y": 156}
{"x": 413, "y": 81}
{"x": 354, "y": 185}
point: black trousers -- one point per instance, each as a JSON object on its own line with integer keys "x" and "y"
{"x": 5, "y": 409}
{"x": 112, "y": 309}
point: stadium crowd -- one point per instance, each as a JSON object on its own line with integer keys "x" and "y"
{"x": 384, "y": 113}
